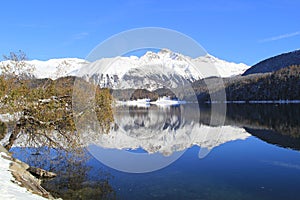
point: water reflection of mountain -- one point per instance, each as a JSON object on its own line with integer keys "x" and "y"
{"x": 171, "y": 129}
{"x": 281, "y": 118}
{"x": 277, "y": 124}
{"x": 276, "y": 138}
{"x": 165, "y": 130}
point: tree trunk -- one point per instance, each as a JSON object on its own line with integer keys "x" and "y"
{"x": 14, "y": 135}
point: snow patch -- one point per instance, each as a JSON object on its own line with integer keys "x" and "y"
{"x": 9, "y": 189}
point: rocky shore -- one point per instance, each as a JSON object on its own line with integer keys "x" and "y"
{"x": 16, "y": 180}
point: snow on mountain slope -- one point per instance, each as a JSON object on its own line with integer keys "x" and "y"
{"x": 53, "y": 68}
{"x": 155, "y": 70}
{"x": 225, "y": 68}
{"x": 152, "y": 70}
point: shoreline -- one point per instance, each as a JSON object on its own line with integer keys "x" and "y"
{"x": 17, "y": 181}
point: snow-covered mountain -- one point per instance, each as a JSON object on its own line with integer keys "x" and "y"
{"x": 156, "y": 70}
{"x": 53, "y": 68}
{"x": 151, "y": 71}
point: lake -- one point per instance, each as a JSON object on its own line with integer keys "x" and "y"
{"x": 175, "y": 153}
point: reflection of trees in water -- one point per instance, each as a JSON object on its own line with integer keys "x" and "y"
{"x": 75, "y": 179}
{"x": 277, "y": 124}
{"x": 282, "y": 118}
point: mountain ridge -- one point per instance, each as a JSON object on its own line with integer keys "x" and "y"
{"x": 158, "y": 67}
{"x": 275, "y": 63}
{"x": 155, "y": 70}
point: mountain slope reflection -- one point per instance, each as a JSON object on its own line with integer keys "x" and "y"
{"x": 277, "y": 124}
{"x": 166, "y": 130}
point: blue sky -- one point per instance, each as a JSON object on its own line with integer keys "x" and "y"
{"x": 238, "y": 30}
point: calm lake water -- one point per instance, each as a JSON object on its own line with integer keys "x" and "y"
{"x": 254, "y": 155}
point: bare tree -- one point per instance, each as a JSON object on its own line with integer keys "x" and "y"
{"x": 16, "y": 66}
